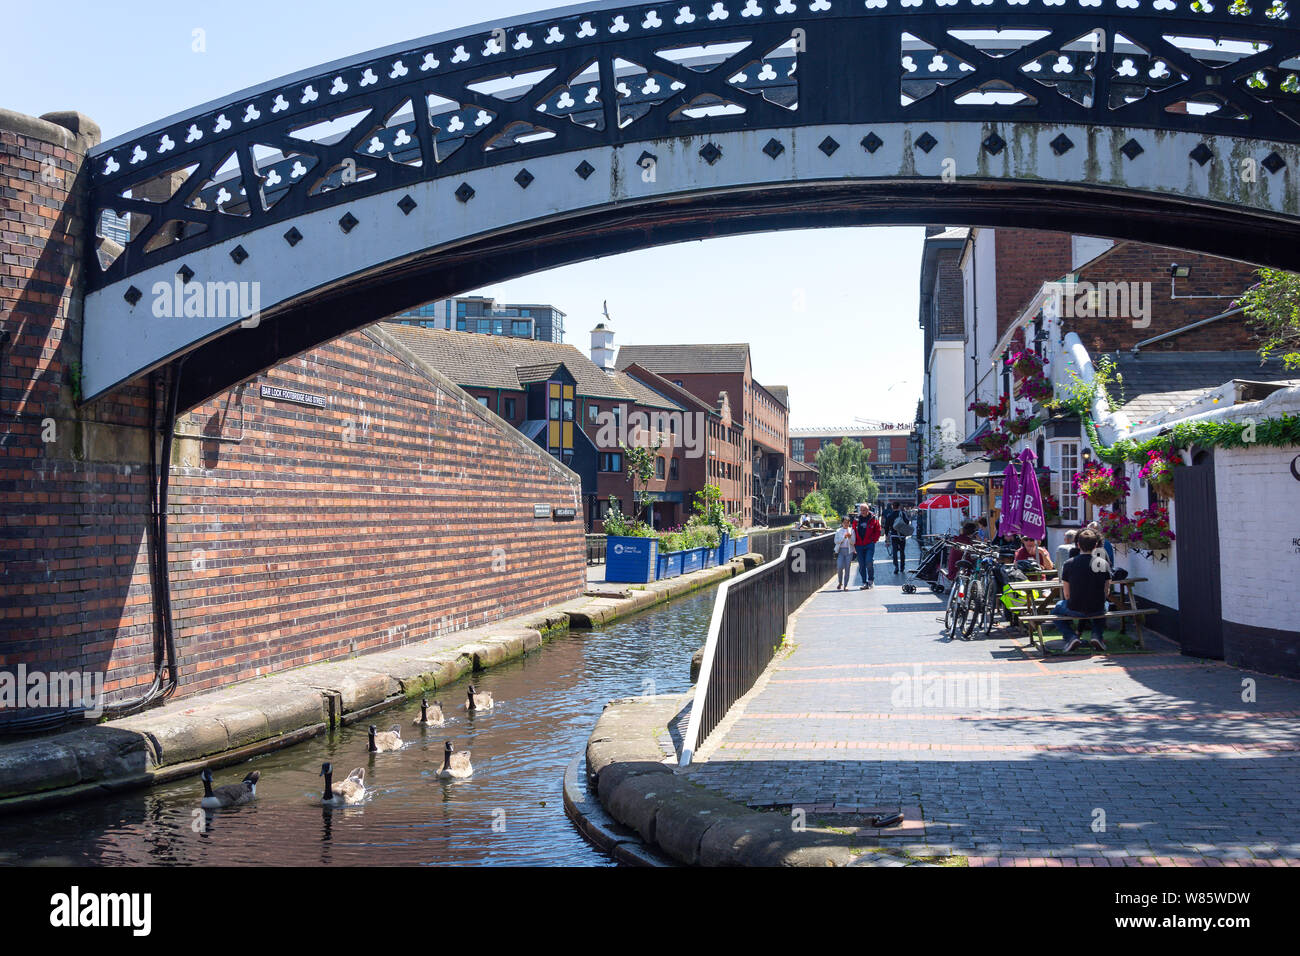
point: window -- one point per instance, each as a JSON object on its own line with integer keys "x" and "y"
{"x": 483, "y": 401}
{"x": 593, "y": 412}
{"x": 672, "y": 470}
{"x": 659, "y": 467}
{"x": 555, "y": 410}
{"x": 485, "y": 326}
{"x": 568, "y": 409}
{"x": 796, "y": 448}
{"x": 508, "y": 408}
{"x": 885, "y": 449}
{"x": 611, "y": 461}
{"x": 520, "y": 329}
{"x": 603, "y": 506}
{"x": 1067, "y": 466}
{"x": 460, "y": 323}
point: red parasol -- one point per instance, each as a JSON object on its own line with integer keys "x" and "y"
{"x": 945, "y": 501}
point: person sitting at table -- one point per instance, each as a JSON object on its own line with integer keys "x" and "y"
{"x": 1085, "y": 586}
{"x": 1064, "y": 552}
{"x": 1031, "y": 550}
{"x": 956, "y": 550}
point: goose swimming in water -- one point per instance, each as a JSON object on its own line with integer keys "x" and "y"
{"x": 455, "y": 764}
{"x": 229, "y": 795}
{"x": 351, "y": 790}
{"x": 389, "y": 740}
{"x": 430, "y": 716}
{"x": 477, "y": 700}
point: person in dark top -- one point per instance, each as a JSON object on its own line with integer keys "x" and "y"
{"x": 1085, "y": 583}
{"x": 967, "y": 536}
{"x": 887, "y": 519}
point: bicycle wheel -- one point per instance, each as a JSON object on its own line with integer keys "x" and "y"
{"x": 974, "y": 606}
{"x": 950, "y": 612}
{"x": 992, "y": 601}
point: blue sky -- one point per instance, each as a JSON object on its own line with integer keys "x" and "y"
{"x": 831, "y": 313}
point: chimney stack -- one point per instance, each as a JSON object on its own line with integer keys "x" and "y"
{"x": 602, "y": 346}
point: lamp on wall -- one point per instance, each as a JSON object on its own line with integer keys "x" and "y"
{"x": 1086, "y": 455}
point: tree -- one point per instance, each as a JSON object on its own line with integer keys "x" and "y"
{"x": 845, "y": 491}
{"x": 816, "y": 503}
{"x": 1274, "y": 306}
{"x": 848, "y": 458}
{"x": 640, "y": 472}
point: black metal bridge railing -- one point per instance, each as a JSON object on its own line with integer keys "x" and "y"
{"x": 750, "y": 616}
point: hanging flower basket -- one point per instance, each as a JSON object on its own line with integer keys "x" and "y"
{"x": 1150, "y": 531}
{"x": 1101, "y": 484}
{"x": 1158, "y": 472}
{"x": 1022, "y": 425}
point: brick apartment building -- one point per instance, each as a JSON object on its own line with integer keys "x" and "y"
{"x": 754, "y": 482}
{"x": 580, "y": 412}
{"x": 891, "y": 453}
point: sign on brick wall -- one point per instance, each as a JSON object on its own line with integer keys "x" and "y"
{"x": 292, "y": 395}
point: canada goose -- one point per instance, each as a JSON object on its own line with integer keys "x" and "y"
{"x": 455, "y": 764}
{"x": 229, "y": 795}
{"x": 429, "y": 716}
{"x": 478, "y": 700}
{"x": 351, "y": 790}
{"x": 389, "y": 740}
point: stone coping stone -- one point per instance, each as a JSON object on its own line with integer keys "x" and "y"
{"x": 692, "y": 824}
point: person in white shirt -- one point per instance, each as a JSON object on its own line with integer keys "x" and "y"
{"x": 843, "y": 553}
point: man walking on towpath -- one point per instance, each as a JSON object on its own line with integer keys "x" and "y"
{"x": 866, "y": 532}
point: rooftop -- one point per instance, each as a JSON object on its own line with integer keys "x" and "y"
{"x": 493, "y": 361}
{"x": 686, "y": 359}
{"x": 846, "y": 431}
{"x": 1153, "y": 382}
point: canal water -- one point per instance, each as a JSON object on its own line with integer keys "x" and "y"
{"x": 510, "y": 812}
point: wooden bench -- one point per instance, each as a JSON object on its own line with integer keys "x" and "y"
{"x": 1035, "y": 623}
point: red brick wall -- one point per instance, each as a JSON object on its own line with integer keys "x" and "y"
{"x": 296, "y": 533}
{"x": 1026, "y": 258}
{"x": 1132, "y": 262}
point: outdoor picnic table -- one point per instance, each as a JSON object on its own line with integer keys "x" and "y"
{"x": 1041, "y": 597}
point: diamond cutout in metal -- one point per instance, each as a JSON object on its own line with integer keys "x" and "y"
{"x": 524, "y": 178}
{"x": 774, "y": 148}
{"x": 584, "y": 169}
{"x": 1132, "y": 149}
{"x": 133, "y": 295}
{"x": 1273, "y": 162}
{"x": 710, "y": 153}
{"x": 348, "y": 222}
{"x": 464, "y": 192}
{"x": 871, "y": 142}
{"x": 406, "y": 204}
{"x": 293, "y": 236}
{"x": 239, "y": 254}
{"x": 994, "y": 144}
{"x": 1061, "y": 145}
{"x": 828, "y": 146}
{"x": 1202, "y": 154}
{"x": 186, "y": 274}
{"x": 926, "y": 142}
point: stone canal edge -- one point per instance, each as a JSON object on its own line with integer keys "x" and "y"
{"x": 643, "y": 810}
{"x": 226, "y": 726}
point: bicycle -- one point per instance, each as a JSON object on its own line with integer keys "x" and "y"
{"x": 957, "y": 613}
{"x": 984, "y": 594}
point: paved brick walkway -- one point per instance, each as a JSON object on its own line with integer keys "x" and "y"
{"x": 1001, "y": 756}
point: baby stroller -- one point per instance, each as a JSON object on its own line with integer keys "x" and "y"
{"x": 928, "y": 569}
